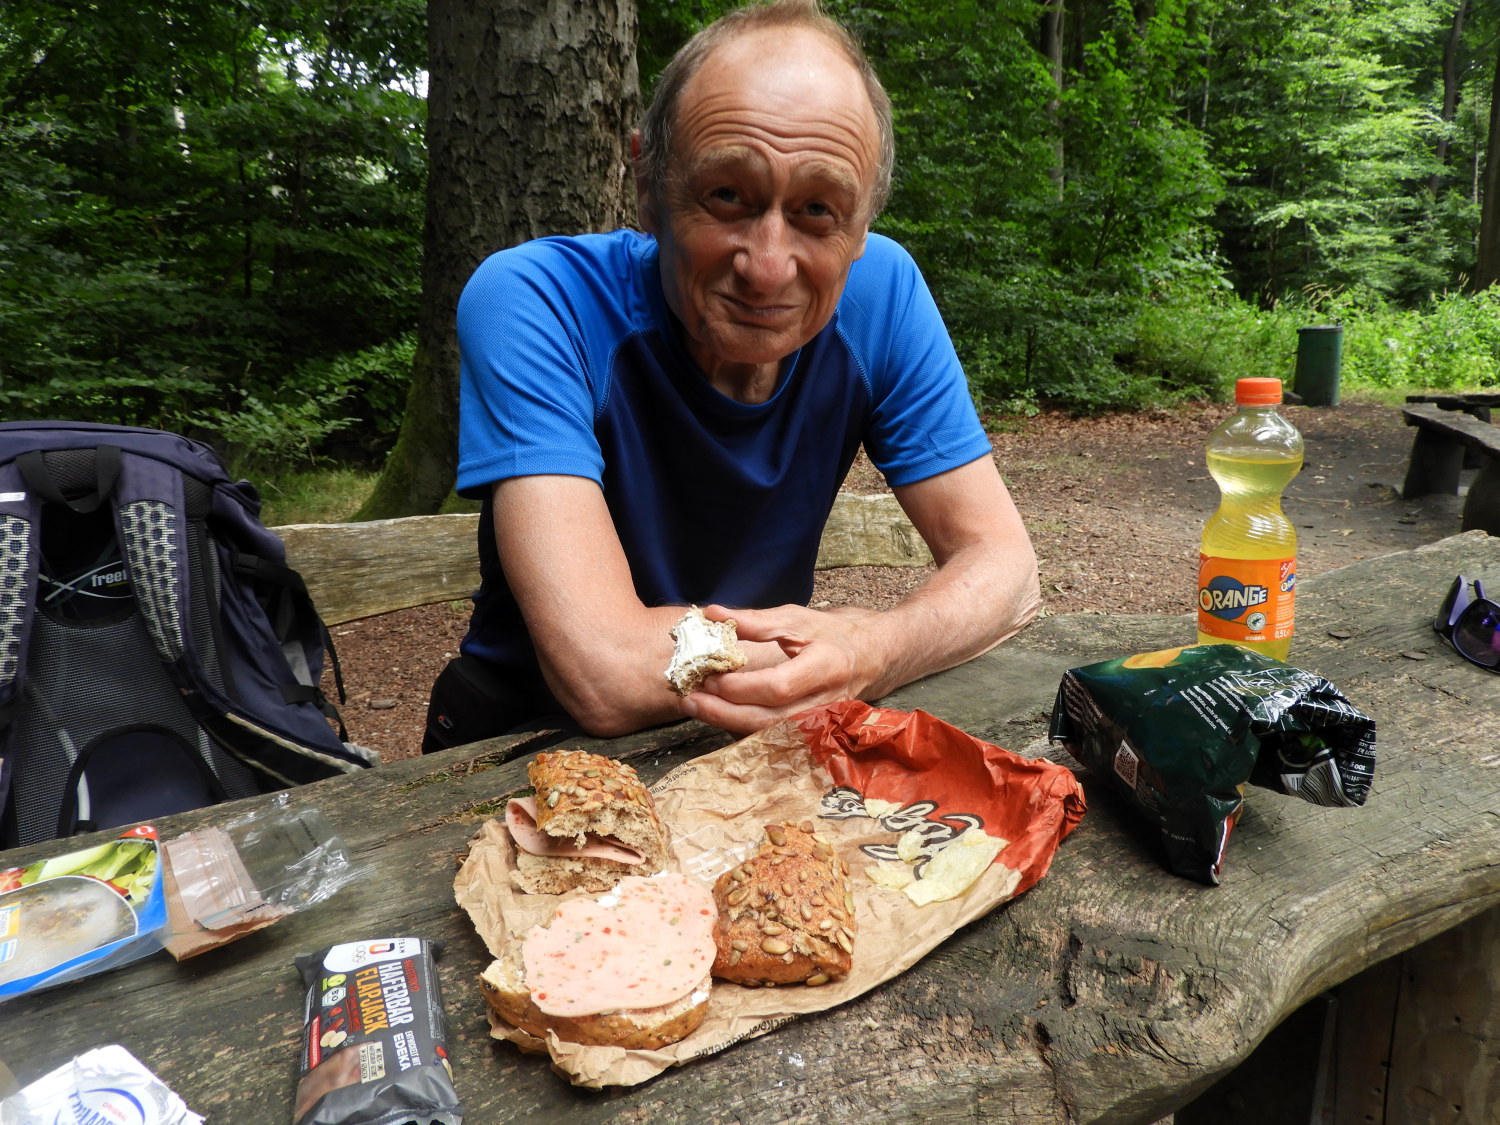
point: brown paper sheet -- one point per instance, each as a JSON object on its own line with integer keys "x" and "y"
{"x": 185, "y": 935}
{"x": 832, "y": 766}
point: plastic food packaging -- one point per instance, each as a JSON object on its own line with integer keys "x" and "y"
{"x": 1180, "y": 733}
{"x": 107, "y": 1084}
{"x": 224, "y": 883}
{"x": 375, "y": 1042}
{"x": 80, "y": 913}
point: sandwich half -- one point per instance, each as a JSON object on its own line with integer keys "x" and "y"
{"x": 629, "y": 968}
{"x": 590, "y": 824}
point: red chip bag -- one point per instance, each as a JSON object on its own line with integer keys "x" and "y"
{"x": 909, "y": 758}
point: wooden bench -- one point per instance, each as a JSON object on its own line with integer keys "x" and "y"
{"x": 1447, "y": 429}
{"x": 356, "y": 570}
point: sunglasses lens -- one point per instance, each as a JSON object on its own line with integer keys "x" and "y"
{"x": 1477, "y": 634}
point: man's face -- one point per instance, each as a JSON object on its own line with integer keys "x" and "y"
{"x": 767, "y": 203}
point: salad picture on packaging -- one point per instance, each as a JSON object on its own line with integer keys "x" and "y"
{"x": 80, "y": 913}
{"x": 1180, "y": 732}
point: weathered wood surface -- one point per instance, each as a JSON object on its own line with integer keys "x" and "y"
{"x": 356, "y": 570}
{"x": 1442, "y": 1055}
{"x": 1111, "y": 992}
{"x": 870, "y": 531}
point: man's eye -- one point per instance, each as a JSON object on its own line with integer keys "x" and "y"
{"x": 725, "y": 195}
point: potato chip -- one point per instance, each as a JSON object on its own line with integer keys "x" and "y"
{"x": 891, "y": 876}
{"x": 909, "y": 845}
{"x": 953, "y": 870}
{"x": 875, "y": 808}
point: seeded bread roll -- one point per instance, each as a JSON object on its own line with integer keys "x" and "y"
{"x": 786, "y": 915}
{"x": 504, "y": 986}
{"x": 581, "y": 795}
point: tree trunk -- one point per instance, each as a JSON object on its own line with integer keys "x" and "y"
{"x": 1145, "y": 12}
{"x": 1050, "y": 43}
{"x": 1487, "y": 264}
{"x": 1451, "y": 81}
{"x": 529, "y": 110}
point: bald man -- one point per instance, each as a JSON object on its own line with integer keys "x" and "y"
{"x": 664, "y": 418}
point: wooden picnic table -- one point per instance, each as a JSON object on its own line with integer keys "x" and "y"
{"x": 1111, "y": 992}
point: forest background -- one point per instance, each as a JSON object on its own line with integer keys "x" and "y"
{"x": 213, "y": 216}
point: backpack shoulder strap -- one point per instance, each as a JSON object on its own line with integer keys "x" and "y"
{"x": 19, "y": 553}
{"x": 151, "y": 522}
{"x": 19, "y": 557}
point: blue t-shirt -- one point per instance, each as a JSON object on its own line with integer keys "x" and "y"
{"x": 571, "y": 365}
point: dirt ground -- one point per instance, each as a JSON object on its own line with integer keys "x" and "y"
{"x": 1115, "y": 506}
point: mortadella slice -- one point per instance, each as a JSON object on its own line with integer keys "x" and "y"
{"x": 520, "y": 819}
{"x": 645, "y": 944}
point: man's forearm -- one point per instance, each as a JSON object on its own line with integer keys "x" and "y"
{"x": 972, "y": 603}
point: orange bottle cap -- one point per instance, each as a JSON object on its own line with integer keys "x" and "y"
{"x": 1257, "y": 392}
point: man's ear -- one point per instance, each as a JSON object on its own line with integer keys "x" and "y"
{"x": 645, "y": 198}
{"x": 863, "y": 239}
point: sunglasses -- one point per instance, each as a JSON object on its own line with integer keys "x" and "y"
{"x": 1471, "y": 624}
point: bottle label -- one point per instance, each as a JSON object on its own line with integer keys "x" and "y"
{"x": 1246, "y": 600}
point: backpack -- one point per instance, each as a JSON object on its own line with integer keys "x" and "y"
{"x": 156, "y": 652}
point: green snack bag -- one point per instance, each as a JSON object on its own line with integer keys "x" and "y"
{"x": 1183, "y": 730}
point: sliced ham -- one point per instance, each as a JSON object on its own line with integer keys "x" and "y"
{"x": 648, "y": 942}
{"x": 520, "y": 819}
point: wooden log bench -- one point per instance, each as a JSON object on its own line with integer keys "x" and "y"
{"x": 1447, "y": 429}
{"x": 356, "y": 570}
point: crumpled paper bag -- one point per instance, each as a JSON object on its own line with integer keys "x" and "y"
{"x": 834, "y": 766}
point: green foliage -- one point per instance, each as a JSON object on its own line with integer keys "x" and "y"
{"x": 1326, "y": 118}
{"x": 322, "y": 495}
{"x": 210, "y": 214}
{"x": 1043, "y": 220}
{"x": 1198, "y": 342}
{"x": 326, "y": 494}
{"x": 199, "y": 200}
{"x": 1450, "y": 342}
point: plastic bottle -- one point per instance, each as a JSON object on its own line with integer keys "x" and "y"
{"x": 1247, "y": 571}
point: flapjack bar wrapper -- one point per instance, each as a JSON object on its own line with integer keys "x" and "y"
{"x": 375, "y": 1042}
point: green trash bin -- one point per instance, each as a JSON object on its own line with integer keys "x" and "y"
{"x": 1320, "y": 348}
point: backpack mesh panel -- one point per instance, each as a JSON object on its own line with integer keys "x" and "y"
{"x": 84, "y": 697}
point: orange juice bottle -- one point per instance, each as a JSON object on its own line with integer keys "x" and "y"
{"x": 1247, "y": 569}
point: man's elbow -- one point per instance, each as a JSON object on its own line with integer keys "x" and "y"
{"x": 607, "y": 722}
{"x": 606, "y": 714}
{"x": 1024, "y": 600}
{"x": 1029, "y": 604}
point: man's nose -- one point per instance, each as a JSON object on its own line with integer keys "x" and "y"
{"x": 765, "y": 258}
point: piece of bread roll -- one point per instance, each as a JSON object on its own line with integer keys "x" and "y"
{"x": 627, "y": 969}
{"x": 702, "y": 648}
{"x": 786, "y": 914}
{"x": 592, "y": 815}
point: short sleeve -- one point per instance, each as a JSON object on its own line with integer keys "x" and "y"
{"x": 923, "y": 420}
{"x": 537, "y": 325}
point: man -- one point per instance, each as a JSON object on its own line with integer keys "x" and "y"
{"x": 663, "y": 420}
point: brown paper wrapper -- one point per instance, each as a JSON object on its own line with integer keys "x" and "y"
{"x": 833, "y": 766}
